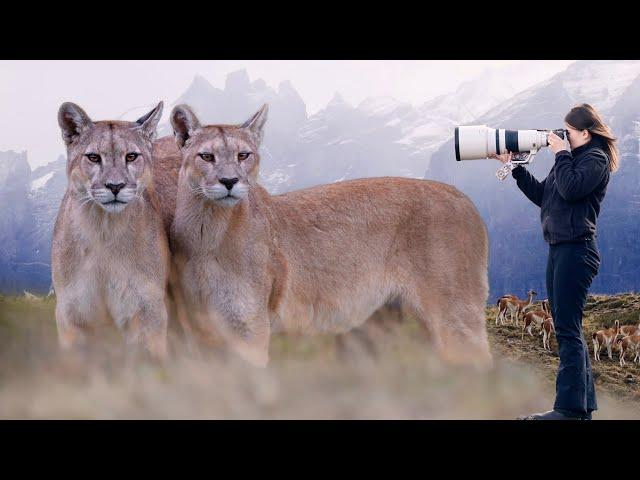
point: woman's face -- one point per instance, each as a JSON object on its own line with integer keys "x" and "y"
{"x": 576, "y": 138}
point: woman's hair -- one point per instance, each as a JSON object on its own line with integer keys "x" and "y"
{"x": 585, "y": 117}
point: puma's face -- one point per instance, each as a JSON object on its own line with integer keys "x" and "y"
{"x": 109, "y": 162}
{"x": 220, "y": 162}
{"x": 112, "y": 166}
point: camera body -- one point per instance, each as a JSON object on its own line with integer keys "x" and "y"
{"x": 476, "y": 142}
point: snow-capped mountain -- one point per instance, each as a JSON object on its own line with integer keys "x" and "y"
{"x": 241, "y": 98}
{"x": 383, "y": 136}
{"x": 517, "y": 250}
{"x": 15, "y": 211}
{"x": 602, "y": 82}
{"x": 47, "y": 187}
{"x": 28, "y": 206}
{"x": 379, "y": 136}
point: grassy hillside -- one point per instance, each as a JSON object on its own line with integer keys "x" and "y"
{"x": 601, "y": 311}
{"x": 383, "y": 370}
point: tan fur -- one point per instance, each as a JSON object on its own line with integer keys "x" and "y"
{"x": 502, "y": 307}
{"x": 546, "y": 306}
{"x": 536, "y": 317}
{"x": 513, "y": 305}
{"x": 322, "y": 259}
{"x": 547, "y": 328}
{"x": 167, "y": 162}
{"x": 522, "y": 305}
{"x": 110, "y": 266}
{"x": 629, "y": 343}
{"x": 628, "y": 330}
{"x": 605, "y": 337}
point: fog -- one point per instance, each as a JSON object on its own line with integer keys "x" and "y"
{"x": 32, "y": 91}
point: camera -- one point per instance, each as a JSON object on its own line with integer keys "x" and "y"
{"x": 477, "y": 142}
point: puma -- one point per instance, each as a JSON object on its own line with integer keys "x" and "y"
{"x": 321, "y": 259}
{"x": 110, "y": 255}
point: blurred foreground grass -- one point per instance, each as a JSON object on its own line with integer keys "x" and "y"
{"x": 384, "y": 370}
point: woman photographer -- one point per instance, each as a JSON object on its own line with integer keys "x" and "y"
{"x": 570, "y": 199}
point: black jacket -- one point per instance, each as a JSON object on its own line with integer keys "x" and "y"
{"x": 569, "y": 198}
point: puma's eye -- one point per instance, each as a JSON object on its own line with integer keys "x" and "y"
{"x": 207, "y": 157}
{"x": 131, "y": 156}
{"x": 93, "y": 157}
{"x": 243, "y": 156}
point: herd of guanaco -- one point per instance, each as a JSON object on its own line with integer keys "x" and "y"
{"x": 540, "y": 317}
{"x": 625, "y": 337}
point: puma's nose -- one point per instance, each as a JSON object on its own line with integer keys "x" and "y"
{"x": 229, "y": 182}
{"x": 114, "y": 187}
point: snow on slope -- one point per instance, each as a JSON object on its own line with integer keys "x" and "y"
{"x": 41, "y": 182}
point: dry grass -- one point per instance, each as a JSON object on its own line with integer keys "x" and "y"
{"x": 601, "y": 311}
{"x": 385, "y": 370}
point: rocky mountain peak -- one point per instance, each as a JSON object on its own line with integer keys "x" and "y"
{"x": 237, "y": 82}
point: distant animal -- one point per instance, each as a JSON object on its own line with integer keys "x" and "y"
{"x": 606, "y": 338}
{"x": 110, "y": 254}
{"x": 629, "y": 343}
{"x": 628, "y": 330}
{"x": 320, "y": 259}
{"x": 525, "y": 304}
{"x": 501, "y": 303}
{"x": 513, "y": 305}
{"x": 535, "y": 317}
{"x": 546, "y": 330}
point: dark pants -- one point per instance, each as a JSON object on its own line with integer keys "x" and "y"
{"x": 570, "y": 269}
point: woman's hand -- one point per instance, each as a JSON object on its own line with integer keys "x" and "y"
{"x": 504, "y": 158}
{"x": 556, "y": 143}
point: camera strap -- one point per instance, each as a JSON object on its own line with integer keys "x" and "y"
{"x": 520, "y": 159}
{"x": 505, "y": 170}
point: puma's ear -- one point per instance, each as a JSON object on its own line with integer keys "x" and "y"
{"x": 256, "y": 123}
{"x": 73, "y": 121}
{"x": 147, "y": 123}
{"x": 184, "y": 123}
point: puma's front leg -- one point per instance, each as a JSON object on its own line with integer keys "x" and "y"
{"x": 72, "y": 328}
{"x": 147, "y": 328}
{"x": 249, "y": 337}
{"x": 254, "y": 347}
{"x": 178, "y": 297}
{"x": 74, "y": 334}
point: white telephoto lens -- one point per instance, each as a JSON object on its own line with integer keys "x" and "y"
{"x": 477, "y": 142}
{"x": 472, "y": 142}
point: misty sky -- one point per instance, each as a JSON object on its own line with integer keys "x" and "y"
{"x": 32, "y": 91}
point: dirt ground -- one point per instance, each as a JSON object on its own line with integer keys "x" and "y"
{"x": 385, "y": 370}
{"x": 620, "y": 383}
